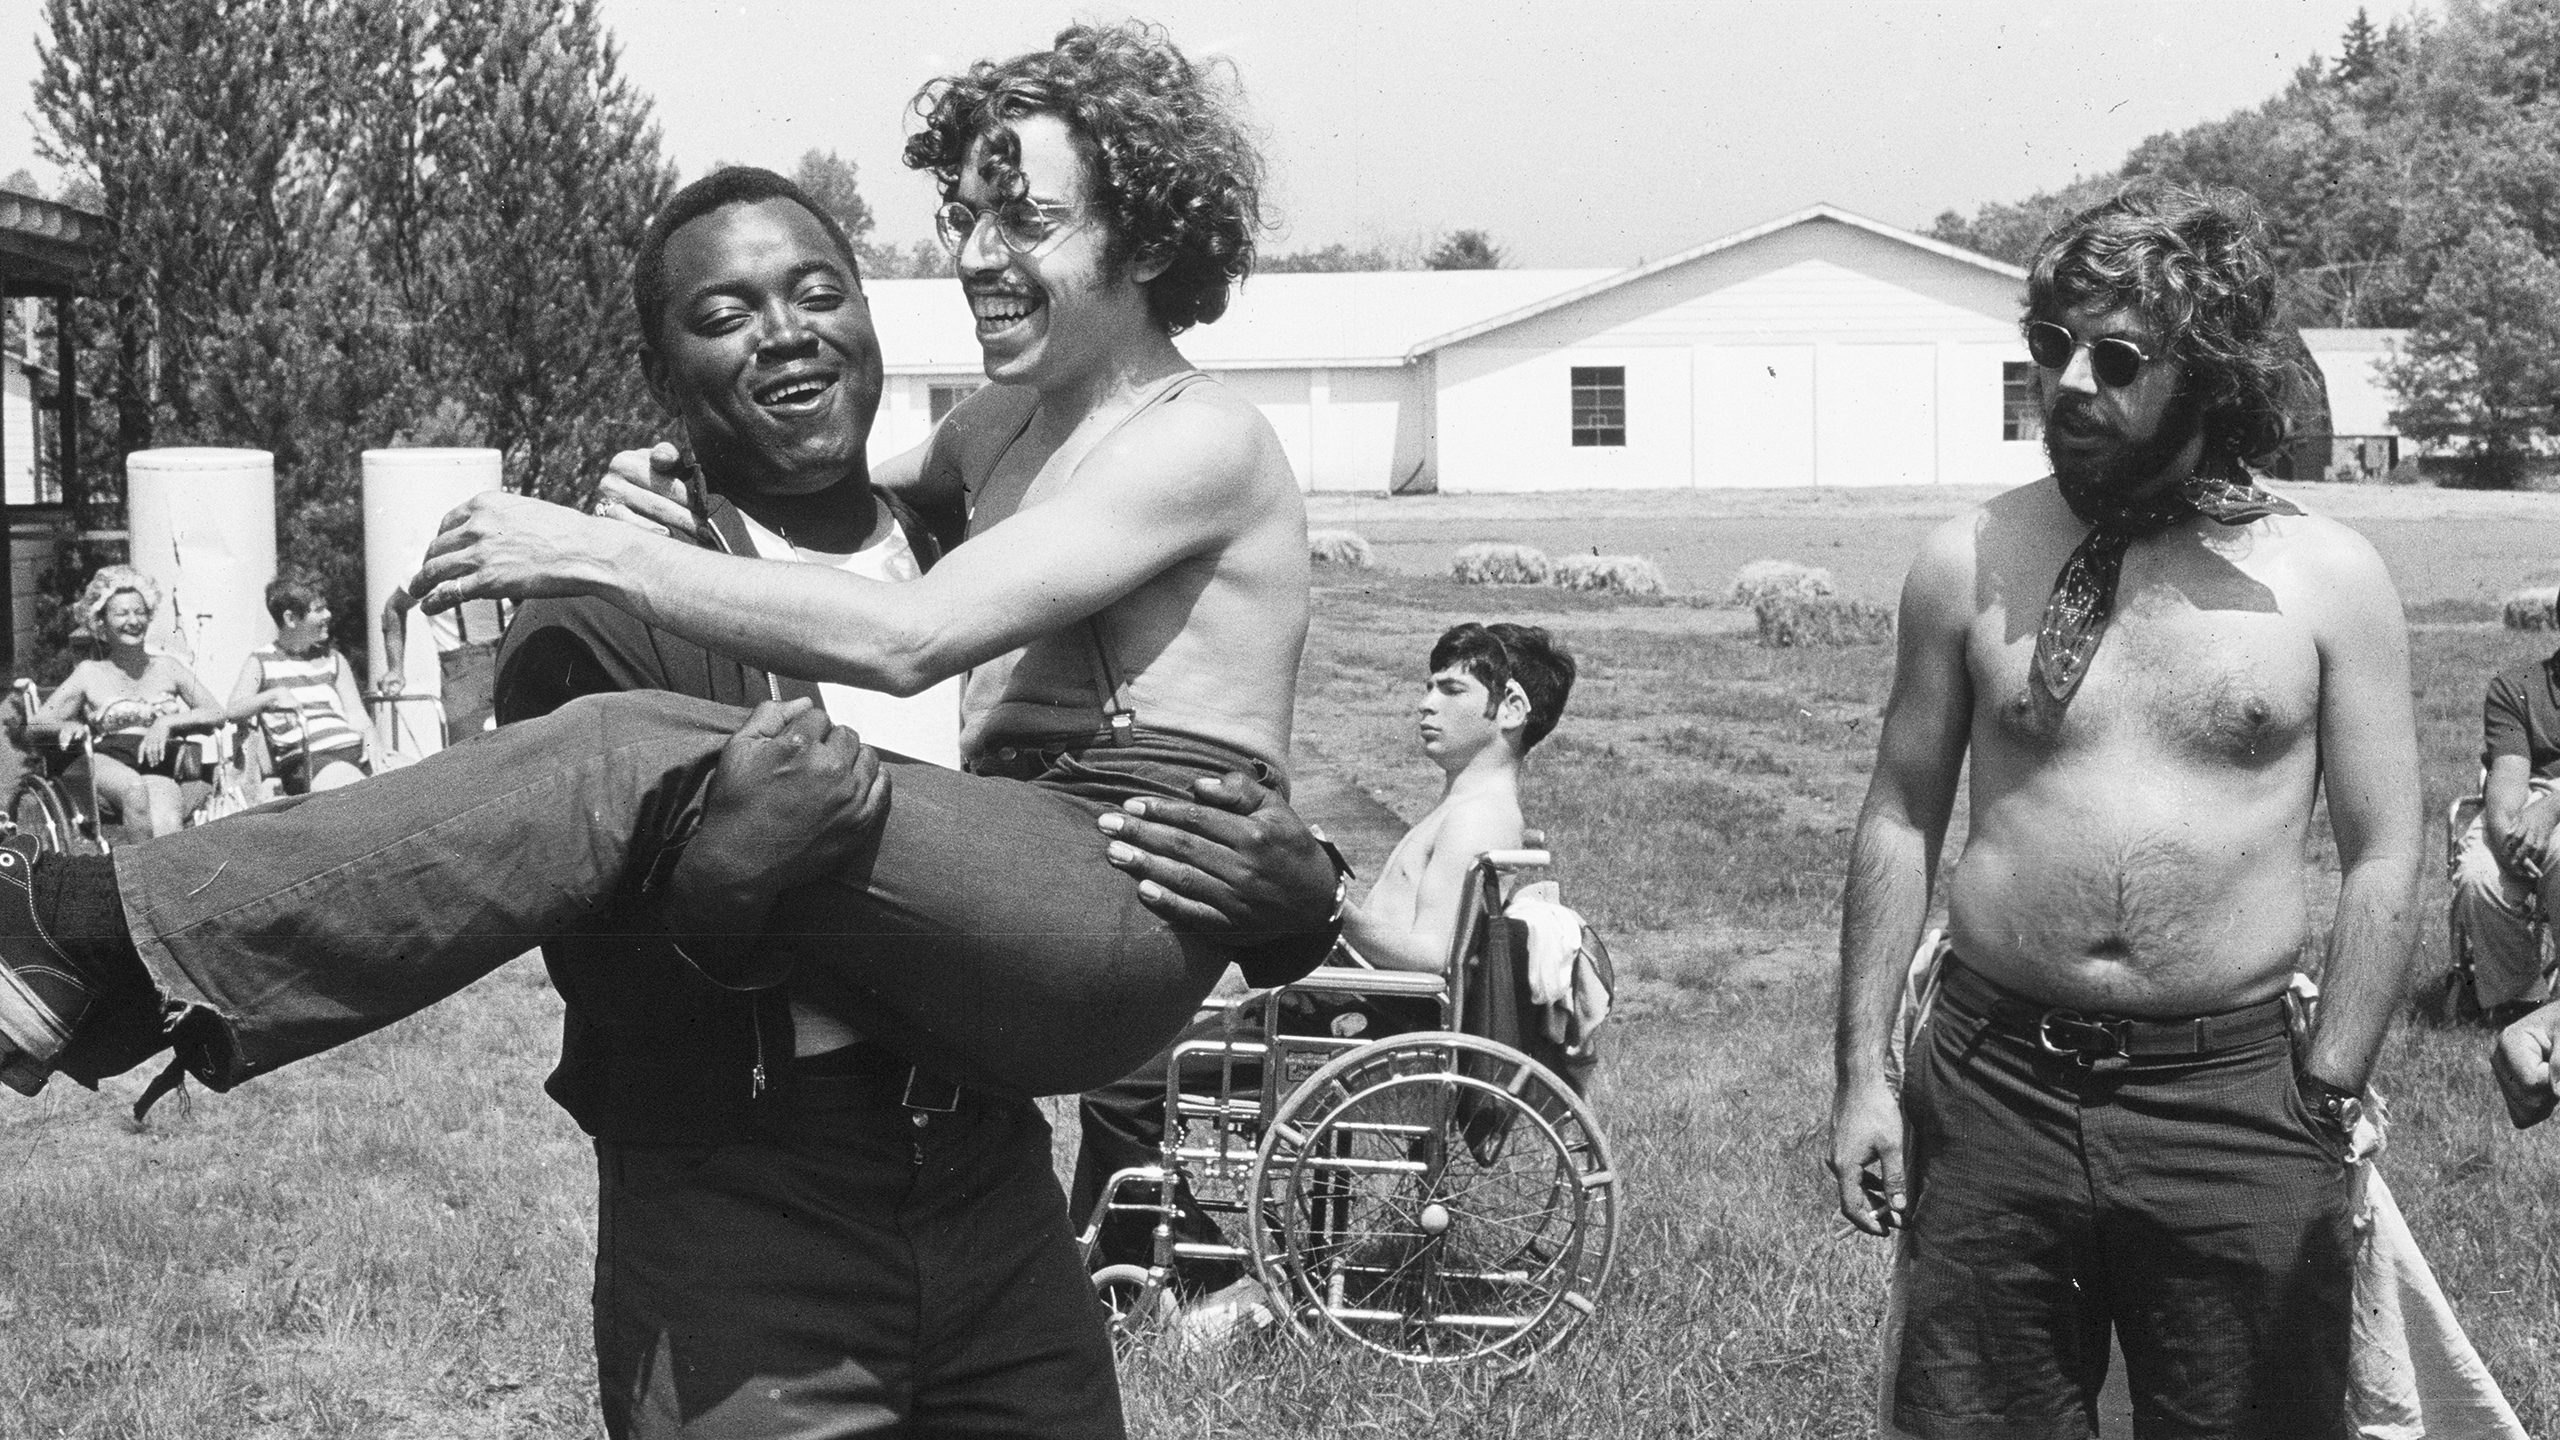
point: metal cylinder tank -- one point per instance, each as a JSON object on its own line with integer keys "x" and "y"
{"x": 202, "y": 522}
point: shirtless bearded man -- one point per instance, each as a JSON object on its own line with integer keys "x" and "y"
{"x": 2110, "y": 1125}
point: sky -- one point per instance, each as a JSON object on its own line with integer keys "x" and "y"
{"x": 1577, "y": 134}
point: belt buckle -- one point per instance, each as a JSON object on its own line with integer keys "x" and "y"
{"x": 930, "y": 1093}
{"x": 2080, "y": 1036}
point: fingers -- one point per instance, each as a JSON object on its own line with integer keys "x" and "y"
{"x": 768, "y": 719}
{"x": 1234, "y": 792}
{"x": 1169, "y": 827}
{"x": 666, "y": 469}
{"x": 2522, "y": 1062}
{"x": 1173, "y": 889}
{"x": 1183, "y": 913}
{"x": 638, "y": 504}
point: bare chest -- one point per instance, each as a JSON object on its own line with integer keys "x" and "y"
{"x": 2232, "y": 686}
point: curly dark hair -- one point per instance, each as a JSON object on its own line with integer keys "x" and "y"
{"x": 2197, "y": 263}
{"x": 1172, "y": 167}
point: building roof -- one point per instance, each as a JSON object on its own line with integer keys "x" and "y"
{"x": 1811, "y": 214}
{"x": 1343, "y": 320}
{"x": 47, "y": 248}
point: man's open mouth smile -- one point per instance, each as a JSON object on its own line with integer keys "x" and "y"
{"x": 797, "y": 393}
{"x": 1000, "y": 310}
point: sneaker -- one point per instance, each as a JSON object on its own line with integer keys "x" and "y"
{"x": 43, "y": 995}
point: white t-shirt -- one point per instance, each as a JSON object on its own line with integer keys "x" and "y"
{"x": 921, "y": 727}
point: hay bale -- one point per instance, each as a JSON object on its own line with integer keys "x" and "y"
{"x": 2529, "y": 609}
{"x": 1339, "y": 547}
{"x": 1615, "y": 574}
{"x": 1791, "y": 620}
{"x": 1766, "y": 579}
{"x": 1494, "y": 562}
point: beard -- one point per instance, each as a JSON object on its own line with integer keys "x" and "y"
{"x": 2105, "y": 482}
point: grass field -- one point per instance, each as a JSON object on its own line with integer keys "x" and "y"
{"x": 392, "y": 1240}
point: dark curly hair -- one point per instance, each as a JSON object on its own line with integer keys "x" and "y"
{"x": 2198, "y": 264}
{"x": 1172, "y": 168}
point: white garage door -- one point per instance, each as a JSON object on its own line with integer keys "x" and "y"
{"x": 1877, "y": 415}
{"x": 1755, "y": 415}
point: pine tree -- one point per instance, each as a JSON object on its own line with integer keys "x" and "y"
{"x": 2359, "y": 50}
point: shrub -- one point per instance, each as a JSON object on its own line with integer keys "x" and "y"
{"x": 1765, "y": 579}
{"x": 1616, "y": 574}
{"x": 1493, "y": 562}
{"x": 2529, "y": 609}
{"x": 1790, "y": 620}
{"x": 1339, "y": 547}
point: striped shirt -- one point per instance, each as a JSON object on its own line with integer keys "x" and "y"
{"x": 317, "y": 723}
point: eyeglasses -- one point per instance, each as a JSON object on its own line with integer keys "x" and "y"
{"x": 2114, "y": 360}
{"x": 1024, "y": 224}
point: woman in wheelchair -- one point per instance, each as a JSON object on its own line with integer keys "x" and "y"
{"x": 131, "y": 704}
{"x": 304, "y": 694}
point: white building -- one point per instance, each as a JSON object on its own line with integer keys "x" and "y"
{"x": 1823, "y": 348}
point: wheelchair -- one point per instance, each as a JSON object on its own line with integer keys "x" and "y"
{"x": 2453, "y": 999}
{"x": 1437, "y": 1196}
{"x": 56, "y": 799}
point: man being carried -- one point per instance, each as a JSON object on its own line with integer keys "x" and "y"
{"x": 2155, "y": 669}
{"x": 1135, "y": 533}
{"x": 1494, "y": 692}
{"x": 2509, "y": 858}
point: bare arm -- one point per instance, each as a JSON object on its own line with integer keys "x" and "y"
{"x": 2369, "y": 766}
{"x": 1893, "y": 862}
{"x": 1464, "y": 834}
{"x": 1169, "y": 486}
{"x": 67, "y": 699}
{"x": 395, "y": 640}
{"x": 2517, "y": 835}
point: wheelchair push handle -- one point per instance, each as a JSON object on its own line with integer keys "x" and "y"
{"x": 1508, "y": 860}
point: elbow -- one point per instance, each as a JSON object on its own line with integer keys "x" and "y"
{"x": 904, "y": 665}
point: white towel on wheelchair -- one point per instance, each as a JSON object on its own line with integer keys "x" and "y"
{"x": 1569, "y": 975}
{"x": 2411, "y": 1372}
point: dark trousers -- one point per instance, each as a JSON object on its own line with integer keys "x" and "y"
{"x": 981, "y": 931}
{"x": 844, "y": 1271}
{"x": 2190, "y": 1204}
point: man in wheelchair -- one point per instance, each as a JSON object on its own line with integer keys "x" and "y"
{"x": 2506, "y": 872}
{"x": 1494, "y": 691}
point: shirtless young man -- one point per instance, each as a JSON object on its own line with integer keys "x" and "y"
{"x": 1493, "y": 693}
{"x": 2109, "y": 1123}
{"x": 1134, "y": 531}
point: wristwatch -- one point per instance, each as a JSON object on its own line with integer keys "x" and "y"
{"x": 2334, "y": 1106}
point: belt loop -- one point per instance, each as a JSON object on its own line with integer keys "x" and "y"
{"x": 930, "y": 1093}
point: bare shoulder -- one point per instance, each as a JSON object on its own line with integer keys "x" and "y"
{"x": 2331, "y": 573}
{"x": 1478, "y": 823}
{"x": 1208, "y": 441}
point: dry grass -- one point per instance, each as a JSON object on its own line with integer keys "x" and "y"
{"x": 393, "y": 1240}
{"x": 2529, "y": 609}
{"x": 1495, "y": 563}
{"x": 1340, "y": 547}
{"x": 1608, "y": 574}
{"x": 1770, "y": 579}
{"x": 1786, "y": 621}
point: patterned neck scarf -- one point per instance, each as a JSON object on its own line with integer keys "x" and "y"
{"x": 2084, "y": 594}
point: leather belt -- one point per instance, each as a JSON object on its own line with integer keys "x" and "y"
{"x": 871, "y": 1064}
{"x": 2095, "y": 1037}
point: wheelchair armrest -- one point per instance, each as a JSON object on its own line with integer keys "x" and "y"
{"x": 1351, "y": 980}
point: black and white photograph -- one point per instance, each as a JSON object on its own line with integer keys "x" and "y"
{"x": 809, "y": 719}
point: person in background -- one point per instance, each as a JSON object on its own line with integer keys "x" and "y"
{"x": 466, "y": 639}
{"x": 132, "y": 703}
{"x": 303, "y": 693}
{"x": 2508, "y": 860}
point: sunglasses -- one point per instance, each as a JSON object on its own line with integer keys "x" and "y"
{"x": 1024, "y": 224}
{"x": 2113, "y": 360}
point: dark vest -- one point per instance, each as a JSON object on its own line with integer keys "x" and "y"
{"x": 650, "y": 1052}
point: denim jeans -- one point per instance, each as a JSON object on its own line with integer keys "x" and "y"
{"x": 981, "y": 933}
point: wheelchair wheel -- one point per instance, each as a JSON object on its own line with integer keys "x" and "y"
{"x": 37, "y": 809}
{"x": 1437, "y": 1197}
